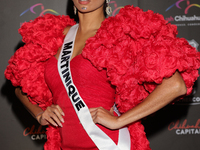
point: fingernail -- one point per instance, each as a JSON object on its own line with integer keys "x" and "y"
{"x": 63, "y": 113}
{"x": 62, "y": 120}
{"x": 61, "y": 125}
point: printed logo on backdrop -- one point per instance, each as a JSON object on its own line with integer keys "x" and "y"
{"x": 189, "y": 100}
{"x": 35, "y": 133}
{"x": 185, "y": 18}
{"x": 115, "y": 8}
{"x": 193, "y": 43}
{"x": 42, "y": 11}
{"x": 185, "y": 128}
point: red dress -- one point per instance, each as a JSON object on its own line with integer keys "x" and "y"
{"x": 138, "y": 49}
{"x": 95, "y": 90}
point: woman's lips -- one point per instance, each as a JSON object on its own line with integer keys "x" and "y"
{"x": 83, "y": 2}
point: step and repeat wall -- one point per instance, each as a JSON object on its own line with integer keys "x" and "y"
{"x": 174, "y": 127}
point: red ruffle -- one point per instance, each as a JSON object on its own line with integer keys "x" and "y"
{"x": 53, "y": 139}
{"x": 43, "y": 37}
{"x": 139, "y": 49}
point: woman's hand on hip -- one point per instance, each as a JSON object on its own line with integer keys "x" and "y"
{"x": 105, "y": 117}
{"x": 52, "y": 115}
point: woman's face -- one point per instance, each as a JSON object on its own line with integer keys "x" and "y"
{"x": 85, "y": 6}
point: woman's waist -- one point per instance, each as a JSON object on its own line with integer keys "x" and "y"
{"x": 73, "y": 132}
{"x": 92, "y": 99}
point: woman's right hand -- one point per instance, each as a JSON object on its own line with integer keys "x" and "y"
{"x": 52, "y": 115}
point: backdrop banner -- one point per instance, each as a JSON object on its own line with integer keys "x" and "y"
{"x": 176, "y": 126}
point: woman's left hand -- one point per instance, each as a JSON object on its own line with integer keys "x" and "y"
{"x": 105, "y": 117}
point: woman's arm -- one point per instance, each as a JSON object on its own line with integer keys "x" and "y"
{"x": 163, "y": 94}
{"x": 52, "y": 115}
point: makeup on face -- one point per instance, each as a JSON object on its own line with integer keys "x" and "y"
{"x": 83, "y": 2}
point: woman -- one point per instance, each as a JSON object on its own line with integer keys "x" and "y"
{"x": 137, "y": 51}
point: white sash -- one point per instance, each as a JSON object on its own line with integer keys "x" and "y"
{"x": 102, "y": 141}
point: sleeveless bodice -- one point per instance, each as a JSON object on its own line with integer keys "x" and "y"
{"x": 95, "y": 90}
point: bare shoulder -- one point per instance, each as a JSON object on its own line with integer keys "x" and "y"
{"x": 66, "y": 29}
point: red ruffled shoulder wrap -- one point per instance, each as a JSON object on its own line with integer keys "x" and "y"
{"x": 137, "y": 48}
{"x": 42, "y": 38}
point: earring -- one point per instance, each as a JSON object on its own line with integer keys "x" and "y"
{"x": 108, "y": 8}
{"x": 75, "y": 10}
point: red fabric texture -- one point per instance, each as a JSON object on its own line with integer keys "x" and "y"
{"x": 43, "y": 37}
{"x": 137, "y": 48}
{"x": 95, "y": 92}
